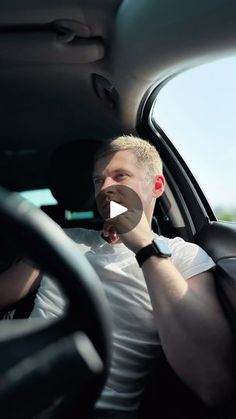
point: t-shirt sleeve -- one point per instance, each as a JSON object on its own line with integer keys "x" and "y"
{"x": 189, "y": 258}
{"x": 50, "y": 301}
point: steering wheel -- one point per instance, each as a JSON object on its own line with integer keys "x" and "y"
{"x": 60, "y": 362}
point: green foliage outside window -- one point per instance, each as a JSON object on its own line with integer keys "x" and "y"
{"x": 226, "y": 215}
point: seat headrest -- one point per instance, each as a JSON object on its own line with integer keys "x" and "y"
{"x": 70, "y": 175}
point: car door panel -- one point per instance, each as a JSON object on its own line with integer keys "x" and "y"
{"x": 219, "y": 240}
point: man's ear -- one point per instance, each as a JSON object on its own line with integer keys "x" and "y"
{"x": 159, "y": 186}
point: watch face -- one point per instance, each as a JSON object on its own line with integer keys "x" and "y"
{"x": 162, "y": 247}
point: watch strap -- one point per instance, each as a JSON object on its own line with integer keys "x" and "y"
{"x": 144, "y": 253}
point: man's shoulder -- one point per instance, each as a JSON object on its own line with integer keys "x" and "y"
{"x": 188, "y": 257}
{"x": 177, "y": 244}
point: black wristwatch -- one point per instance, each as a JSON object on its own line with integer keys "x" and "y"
{"x": 158, "y": 247}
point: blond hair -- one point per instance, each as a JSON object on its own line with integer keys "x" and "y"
{"x": 147, "y": 155}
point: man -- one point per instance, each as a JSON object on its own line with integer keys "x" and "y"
{"x": 160, "y": 295}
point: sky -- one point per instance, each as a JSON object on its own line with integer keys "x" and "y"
{"x": 197, "y": 110}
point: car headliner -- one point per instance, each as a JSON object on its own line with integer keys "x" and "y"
{"x": 83, "y": 69}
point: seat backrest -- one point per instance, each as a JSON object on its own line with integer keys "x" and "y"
{"x": 70, "y": 181}
{"x": 70, "y": 175}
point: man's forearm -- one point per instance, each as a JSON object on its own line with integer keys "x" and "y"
{"x": 16, "y": 282}
{"x": 194, "y": 333}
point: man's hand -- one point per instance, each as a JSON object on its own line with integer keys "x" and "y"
{"x": 122, "y": 227}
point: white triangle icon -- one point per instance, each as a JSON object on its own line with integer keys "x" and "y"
{"x": 116, "y": 209}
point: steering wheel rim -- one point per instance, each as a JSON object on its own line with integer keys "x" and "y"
{"x": 46, "y": 243}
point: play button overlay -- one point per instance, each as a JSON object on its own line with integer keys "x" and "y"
{"x": 116, "y": 209}
{"x": 120, "y": 207}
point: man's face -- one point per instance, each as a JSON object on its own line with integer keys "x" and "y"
{"x": 120, "y": 169}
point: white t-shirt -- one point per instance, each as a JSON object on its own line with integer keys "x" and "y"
{"x": 135, "y": 338}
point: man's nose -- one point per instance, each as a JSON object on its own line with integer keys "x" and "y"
{"x": 107, "y": 184}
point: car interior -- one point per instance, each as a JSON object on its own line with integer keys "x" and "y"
{"x": 73, "y": 75}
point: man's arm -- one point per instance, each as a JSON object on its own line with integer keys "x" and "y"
{"x": 16, "y": 282}
{"x": 194, "y": 333}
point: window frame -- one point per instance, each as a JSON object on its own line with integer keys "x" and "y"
{"x": 188, "y": 195}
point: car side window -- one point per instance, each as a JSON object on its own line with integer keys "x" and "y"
{"x": 196, "y": 110}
